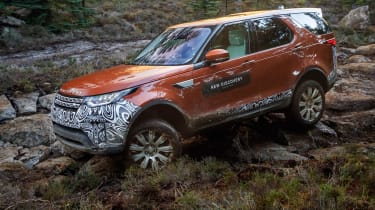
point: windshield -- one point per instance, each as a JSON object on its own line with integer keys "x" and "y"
{"x": 175, "y": 46}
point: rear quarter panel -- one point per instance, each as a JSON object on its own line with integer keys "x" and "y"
{"x": 318, "y": 54}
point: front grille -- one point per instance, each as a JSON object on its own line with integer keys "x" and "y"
{"x": 65, "y": 109}
{"x": 68, "y": 102}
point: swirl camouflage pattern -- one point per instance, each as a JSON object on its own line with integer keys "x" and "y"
{"x": 106, "y": 124}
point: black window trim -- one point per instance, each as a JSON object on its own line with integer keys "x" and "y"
{"x": 302, "y": 26}
{"x": 280, "y": 18}
{"x": 201, "y": 57}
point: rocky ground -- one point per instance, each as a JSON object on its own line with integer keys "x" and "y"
{"x": 31, "y": 158}
{"x": 261, "y": 163}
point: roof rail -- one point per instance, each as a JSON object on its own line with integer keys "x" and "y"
{"x": 250, "y": 14}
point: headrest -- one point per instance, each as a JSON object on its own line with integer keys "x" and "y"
{"x": 236, "y": 37}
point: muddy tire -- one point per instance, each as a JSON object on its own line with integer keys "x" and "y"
{"x": 153, "y": 144}
{"x": 307, "y": 105}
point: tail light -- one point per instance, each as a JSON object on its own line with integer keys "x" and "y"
{"x": 331, "y": 42}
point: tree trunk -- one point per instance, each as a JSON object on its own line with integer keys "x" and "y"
{"x": 372, "y": 12}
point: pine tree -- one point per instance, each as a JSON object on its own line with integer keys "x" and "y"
{"x": 206, "y": 8}
{"x": 48, "y": 13}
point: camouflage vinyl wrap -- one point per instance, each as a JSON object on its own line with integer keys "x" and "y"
{"x": 107, "y": 124}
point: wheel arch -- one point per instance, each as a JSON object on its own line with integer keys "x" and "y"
{"x": 316, "y": 74}
{"x": 164, "y": 110}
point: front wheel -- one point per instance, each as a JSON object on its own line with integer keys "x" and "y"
{"x": 153, "y": 144}
{"x": 307, "y": 105}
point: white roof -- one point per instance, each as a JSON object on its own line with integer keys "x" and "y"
{"x": 247, "y": 15}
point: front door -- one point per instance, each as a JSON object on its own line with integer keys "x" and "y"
{"x": 222, "y": 90}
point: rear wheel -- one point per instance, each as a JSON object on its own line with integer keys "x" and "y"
{"x": 308, "y": 104}
{"x": 153, "y": 144}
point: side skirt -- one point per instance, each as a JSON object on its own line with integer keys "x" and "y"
{"x": 275, "y": 102}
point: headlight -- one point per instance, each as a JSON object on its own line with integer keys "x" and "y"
{"x": 105, "y": 99}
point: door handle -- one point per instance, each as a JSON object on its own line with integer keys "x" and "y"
{"x": 297, "y": 48}
{"x": 248, "y": 63}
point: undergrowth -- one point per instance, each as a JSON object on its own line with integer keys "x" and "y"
{"x": 338, "y": 183}
{"x": 47, "y": 77}
{"x": 342, "y": 183}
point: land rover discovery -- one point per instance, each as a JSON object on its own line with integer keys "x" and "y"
{"x": 197, "y": 75}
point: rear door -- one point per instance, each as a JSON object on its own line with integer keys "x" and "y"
{"x": 278, "y": 59}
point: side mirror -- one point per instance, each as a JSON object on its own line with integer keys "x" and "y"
{"x": 217, "y": 56}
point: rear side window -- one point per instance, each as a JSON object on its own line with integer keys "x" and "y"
{"x": 312, "y": 22}
{"x": 271, "y": 32}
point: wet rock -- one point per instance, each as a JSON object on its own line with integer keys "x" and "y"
{"x": 6, "y": 109}
{"x": 28, "y": 131}
{"x": 304, "y": 140}
{"x": 272, "y": 151}
{"x": 323, "y": 136}
{"x": 46, "y": 101}
{"x": 299, "y": 142}
{"x": 46, "y": 87}
{"x": 26, "y": 103}
{"x": 9, "y": 154}
{"x": 32, "y": 156}
{"x": 342, "y": 56}
{"x": 102, "y": 165}
{"x": 353, "y": 124}
{"x": 349, "y": 101}
{"x": 59, "y": 149}
{"x": 55, "y": 165}
{"x": 248, "y": 151}
{"x": 353, "y": 91}
{"x": 366, "y": 50}
{"x": 356, "y": 19}
{"x": 324, "y": 129}
{"x": 11, "y": 21}
{"x": 362, "y": 67}
{"x": 359, "y": 59}
{"x": 346, "y": 51}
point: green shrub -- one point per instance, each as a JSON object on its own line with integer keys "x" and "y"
{"x": 57, "y": 16}
{"x": 189, "y": 200}
{"x": 85, "y": 180}
{"x": 205, "y": 8}
{"x": 56, "y": 191}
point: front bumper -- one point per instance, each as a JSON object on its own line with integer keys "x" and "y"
{"x": 97, "y": 130}
{"x": 77, "y": 139}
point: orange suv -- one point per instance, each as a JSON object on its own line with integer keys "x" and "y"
{"x": 197, "y": 75}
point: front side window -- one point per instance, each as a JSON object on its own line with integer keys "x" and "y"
{"x": 174, "y": 47}
{"x": 234, "y": 39}
{"x": 312, "y": 22}
{"x": 271, "y": 32}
